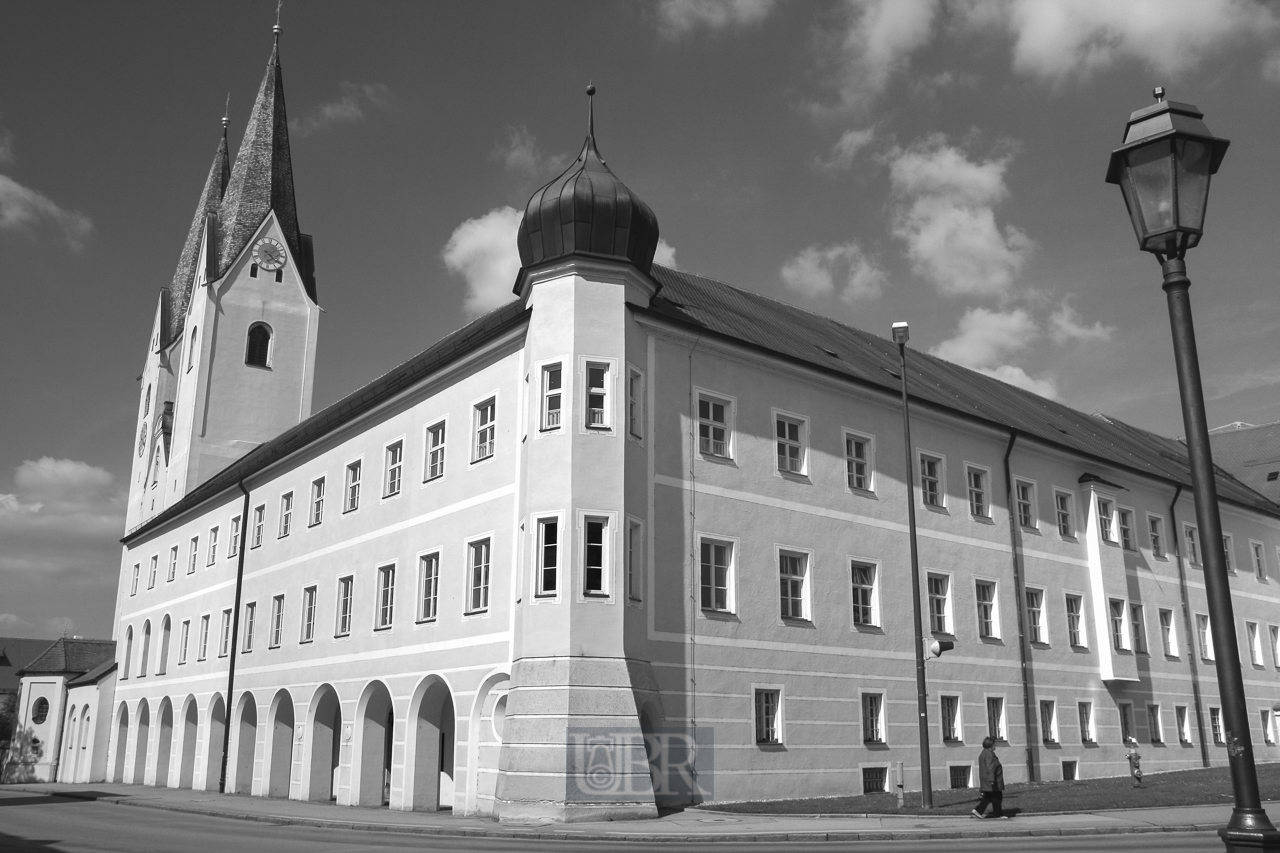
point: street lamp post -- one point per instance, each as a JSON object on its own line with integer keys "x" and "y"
{"x": 901, "y": 333}
{"x": 1163, "y": 169}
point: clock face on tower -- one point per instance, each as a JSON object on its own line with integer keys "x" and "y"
{"x": 269, "y": 254}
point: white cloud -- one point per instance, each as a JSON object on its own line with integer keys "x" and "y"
{"x": 877, "y": 40}
{"x": 665, "y": 254}
{"x": 484, "y": 252}
{"x": 1065, "y": 325}
{"x": 519, "y": 153}
{"x": 842, "y": 269}
{"x": 847, "y": 147}
{"x": 12, "y": 622}
{"x": 23, "y": 209}
{"x": 348, "y": 106}
{"x": 946, "y": 218}
{"x": 680, "y": 17}
{"x": 985, "y": 339}
{"x": 64, "y": 516}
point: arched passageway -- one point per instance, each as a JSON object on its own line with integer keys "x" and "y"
{"x": 142, "y": 740}
{"x": 432, "y": 736}
{"x": 215, "y": 734}
{"x": 164, "y": 718}
{"x": 280, "y": 754}
{"x": 190, "y": 731}
{"x": 80, "y": 771}
{"x": 67, "y": 769}
{"x": 376, "y": 719}
{"x": 246, "y": 743}
{"x": 325, "y": 723}
{"x": 122, "y": 743}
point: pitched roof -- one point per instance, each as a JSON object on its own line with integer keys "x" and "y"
{"x": 71, "y": 655}
{"x": 184, "y": 276}
{"x": 15, "y": 653}
{"x": 1252, "y": 454}
{"x": 94, "y": 675}
{"x": 721, "y": 309}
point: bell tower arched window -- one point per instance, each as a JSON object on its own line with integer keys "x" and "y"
{"x": 258, "y": 347}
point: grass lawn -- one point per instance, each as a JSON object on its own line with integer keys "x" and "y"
{"x": 1181, "y": 788}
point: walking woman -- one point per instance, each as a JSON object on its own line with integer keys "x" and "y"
{"x": 991, "y": 776}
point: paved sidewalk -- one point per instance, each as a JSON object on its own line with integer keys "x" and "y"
{"x": 692, "y": 825}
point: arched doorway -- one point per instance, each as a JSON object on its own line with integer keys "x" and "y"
{"x": 215, "y": 733}
{"x": 376, "y": 719}
{"x": 431, "y": 737}
{"x": 280, "y": 750}
{"x": 484, "y": 744}
{"x": 190, "y": 730}
{"x": 164, "y": 717}
{"x": 246, "y": 743}
{"x": 324, "y": 720}
{"x": 122, "y": 743}
{"x": 68, "y": 768}
{"x": 81, "y": 771}
{"x": 142, "y": 740}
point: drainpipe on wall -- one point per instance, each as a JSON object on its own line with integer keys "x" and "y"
{"x": 695, "y": 602}
{"x": 235, "y": 633}
{"x": 1190, "y": 628}
{"x": 1015, "y": 540}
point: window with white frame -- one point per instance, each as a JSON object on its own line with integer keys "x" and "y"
{"x": 346, "y": 593}
{"x": 1065, "y": 514}
{"x": 203, "y": 648}
{"x": 595, "y": 555}
{"x": 386, "y": 596}
{"x": 213, "y": 546}
{"x": 1125, "y": 519}
{"x": 394, "y": 454}
{"x": 552, "y": 392}
{"x": 233, "y": 544}
{"x": 317, "y": 501}
{"x": 485, "y": 427}
{"x": 1105, "y": 510}
{"x": 183, "y": 640}
{"x": 1118, "y": 639}
{"x": 478, "y": 576}
{"x": 259, "y": 519}
{"x": 1075, "y": 620}
{"x": 133, "y": 587}
{"x": 864, "y": 593}
{"x": 1024, "y": 497}
{"x": 1183, "y": 722}
{"x": 250, "y": 616}
{"x": 435, "y": 451}
{"x": 1193, "y": 544}
{"x": 351, "y": 492}
{"x": 768, "y": 714}
{"x": 1255, "y": 643}
{"x": 976, "y": 479}
{"x": 224, "y": 645}
{"x": 1215, "y": 724}
{"x": 635, "y": 403}
{"x": 792, "y": 570}
{"x": 1206, "y": 636}
{"x": 597, "y": 390}
{"x": 193, "y": 557}
{"x": 1226, "y": 552}
{"x": 857, "y": 461}
{"x": 713, "y": 427}
{"x": 1168, "y": 633}
{"x": 790, "y": 443}
{"x": 1138, "y": 628}
{"x": 428, "y": 586}
{"x": 1275, "y": 644}
{"x": 1035, "y": 615}
{"x": 635, "y": 559}
{"x": 308, "y": 632}
{"x": 873, "y": 718}
{"x": 939, "y": 604}
{"x": 548, "y": 556}
{"x": 1259, "y": 560}
{"x": 1084, "y": 710}
{"x": 1268, "y": 727}
{"x": 1155, "y": 529}
{"x": 715, "y": 564}
{"x": 951, "y": 718}
{"x": 1049, "y": 720}
{"x": 1126, "y": 722}
{"x": 931, "y": 486}
{"x": 995, "y": 717}
{"x": 173, "y": 562}
{"x": 151, "y": 575}
{"x": 988, "y": 615}
{"x": 277, "y": 621}
{"x": 286, "y": 514}
{"x": 1155, "y": 725}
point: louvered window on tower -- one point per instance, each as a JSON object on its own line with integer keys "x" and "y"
{"x": 258, "y": 348}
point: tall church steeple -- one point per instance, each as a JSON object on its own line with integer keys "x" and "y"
{"x": 215, "y": 186}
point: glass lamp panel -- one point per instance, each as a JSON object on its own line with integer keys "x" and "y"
{"x": 1192, "y": 164}
{"x": 1150, "y": 177}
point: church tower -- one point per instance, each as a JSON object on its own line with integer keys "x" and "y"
{"x": 231, "y": 359}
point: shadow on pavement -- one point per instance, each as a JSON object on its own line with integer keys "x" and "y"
{"x": 13, "y": 844}
{"x": 41, "y": 799}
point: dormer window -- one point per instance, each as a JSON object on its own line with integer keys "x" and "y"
{"x": 258, "y": 347}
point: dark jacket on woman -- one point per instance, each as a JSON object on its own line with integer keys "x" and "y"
{"x": 990, "y": 771}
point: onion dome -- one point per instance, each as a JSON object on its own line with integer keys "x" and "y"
{"x": 588, "y": 211}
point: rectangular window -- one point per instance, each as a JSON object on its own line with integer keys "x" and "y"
{"x": 715, "y": 562}
{"x": 204, "y": 637}
{"x": 1138, "y": 626}
{"x": 1025, "y": 498}
{"x": 1259, "y": 561}
{"x": 151, "y": 575}
{"x": 394, "y": 466}
{"x": 1226, "y": 552}
{"x": 597, "y": 396}
{"x": 173, "y": 562}
{"x": 1126, "y": 722}
{"x": 429, "y": 585}
{"x": 939, "y": 604}
{"x": 351, "y": 499}
{"x": 1206, "y": 636}
{"x": 1085, "y": 712}
{"x": 345, "y": 591}
{"x": 1075, "y": 629}
{"x": 1126, "y": 529}
{"x": 286, "y": 514}
{"x": 988, "y": 622}
{"x": 224, "y": 645}
{"x": 250, "y": 615}
{"x": 1104, "y": 520}
{"x": 768, "y": 708}
{"x": 435, "y": 451}
{"x": 790, "y": 443}
{"x": 548, "y": 556}
{"x": 857, "y": 461}
{"x": 1255, "y": 643}
{"x": 1193, "y": 545}
{"x": 1268, "y": 728}
{"x": 1168, "y": 634}
{"x": 386, "y": 596}
{"x": 791, "y": 575}
{"x": 1183, "y": 722}
{"x": 551, "y": 391}
{"x": 133, "y": 587}
{"x": 874, "y": 780}
{"x": 1035, "y": 615}
{"x": 995, "y": 717}
{"x": 1155, "y": 527}
{"x": 308, "y": 615}
{"x": 213, "y": 546}
{"x": 951, "y": 718}
{"x": 977, "y": 482}
{"x": 259, "y": 519}
{"x": 713, "y": 427}
{"x": 864, "y": 593}
{"x": 277, "y": 621}
{"x": 958, "y": 776}
{"x": 873, "y": 718}
{"x": 183, "y": 641}
{"x": 1117, "y": 624}
{"x": 594, "y": 555}
{"x": 317, "y": 502}
{"x": 1215, "y": 723}
{"x": 1049, "y": 720}
{"x": 635, "y": 403}
{"x": 484, "y": 430}
{"x": 1155, "y": 726}
{"x": 193, "y": 555}
{"x": 233, "y": 544}
{"x": 1275, "y": 644}
{"x": 478, "y": 576}
{"x": 635, "y": 559}
{"x": 930, "y": 480}
{"x": 1062, "y": 508}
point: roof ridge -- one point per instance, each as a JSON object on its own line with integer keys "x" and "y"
{"x": 179, "y": 292}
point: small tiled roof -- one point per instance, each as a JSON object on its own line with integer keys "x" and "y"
{"x": 833, "y": 347}
{"x": 1252, "y": 454}
{"x": 67, "y": 655}
{"x": 184, "y": 277}
{"x": 94, "y": 675}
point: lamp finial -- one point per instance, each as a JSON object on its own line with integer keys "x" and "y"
{"x": 1158, "y": 91}
{"x": 591, "y": 111}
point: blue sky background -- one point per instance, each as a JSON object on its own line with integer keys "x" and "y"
{"x": 875, "y": 161}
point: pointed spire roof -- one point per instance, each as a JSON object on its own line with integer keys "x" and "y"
{"x": 183, "y": 278}
{"x": 262, "y": 177}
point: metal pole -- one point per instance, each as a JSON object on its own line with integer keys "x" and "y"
{"x": 922, "y": 696}
{"x": 1249, "y": 828}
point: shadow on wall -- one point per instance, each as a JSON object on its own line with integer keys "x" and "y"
{"x": 25, "y": 750}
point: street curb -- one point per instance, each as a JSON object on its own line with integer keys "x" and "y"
{"x": 569, "y": 835}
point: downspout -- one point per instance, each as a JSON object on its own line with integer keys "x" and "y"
{"x": 1189, "y": 627}
{"x": 695, "y": 602}
{"x": 235, "y": 632}
{"x": 1015, "y": 540}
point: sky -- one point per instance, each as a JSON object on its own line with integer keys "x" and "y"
{"x": 870, "y": 160}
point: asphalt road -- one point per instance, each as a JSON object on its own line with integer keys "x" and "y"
{"x": 33, "y": 822}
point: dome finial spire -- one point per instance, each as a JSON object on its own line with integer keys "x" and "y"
{"x": 591, "y": 112}
{"x": 226, "y": 116}
{"x": 277, "y": 29}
